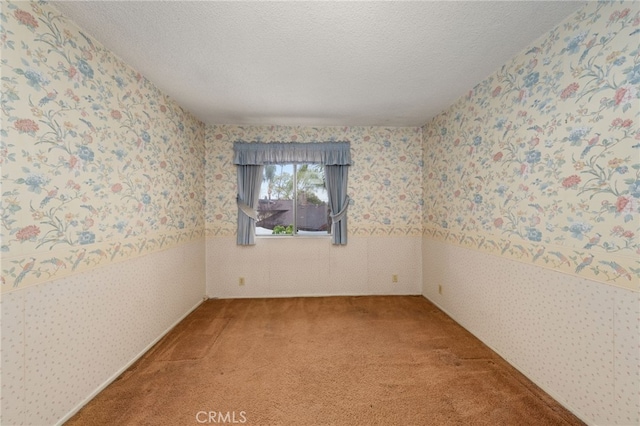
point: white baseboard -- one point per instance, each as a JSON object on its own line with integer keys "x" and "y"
{"x": 289, "y": 296}
{"x": 553, "y": 394}
{"x": 124, "y": 368}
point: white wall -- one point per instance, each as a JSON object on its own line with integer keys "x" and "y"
{"x": 282, "y": 267}
{"x": 577, "y": 339}
{"x": 63, "y": 340}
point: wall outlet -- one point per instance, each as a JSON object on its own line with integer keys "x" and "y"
{"x": 394, "y": 278}
{"x": 241, "y": 281}
{"x": 439, "y": 289}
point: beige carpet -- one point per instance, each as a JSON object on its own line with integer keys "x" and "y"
{"x": 392, "y": 360}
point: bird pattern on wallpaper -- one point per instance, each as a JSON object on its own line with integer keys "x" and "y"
{"x": 26, "y": 268}
{"x": 538, "y": 162}
{"x": 91, "y": 152}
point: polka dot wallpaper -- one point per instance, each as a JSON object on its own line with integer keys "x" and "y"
{"x": 63, "y": 339}
{"x": 576, "y": 338}
{"x": 364, "y": 266}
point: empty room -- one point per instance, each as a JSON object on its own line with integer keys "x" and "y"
{"x": 349, "y": 213}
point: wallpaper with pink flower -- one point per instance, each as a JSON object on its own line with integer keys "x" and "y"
{"x": 97, "y": 164}
{"x": 540, "y": 161}
{"x": 385, "y": 178}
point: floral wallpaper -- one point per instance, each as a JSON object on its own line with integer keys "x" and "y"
{"x": 97, "y": 164}
{"x": 385, "y": 179}
{"x": 539, "y": 162}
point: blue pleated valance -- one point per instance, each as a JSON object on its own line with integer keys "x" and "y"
{"x": 327, "y": 153}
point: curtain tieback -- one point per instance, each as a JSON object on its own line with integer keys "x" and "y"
{"x": 244, "y": 208}
{"x": 341, "y": 214}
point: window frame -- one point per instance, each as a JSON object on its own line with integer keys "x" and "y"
{"x": 295, "y": 233}
{"x": 251, "y": 157}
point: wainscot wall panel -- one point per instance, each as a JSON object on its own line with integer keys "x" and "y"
{"x": 63, "y": 340}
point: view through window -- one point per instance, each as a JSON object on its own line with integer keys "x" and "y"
{"x": 293, "y": 201}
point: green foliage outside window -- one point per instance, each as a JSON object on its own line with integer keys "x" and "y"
{"x": 281, "y": 230}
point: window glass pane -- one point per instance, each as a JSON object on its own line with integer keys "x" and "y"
{"x": 311, "y": 200}
{"x": 275, "y": 207}
{"x": 293, "y": 197}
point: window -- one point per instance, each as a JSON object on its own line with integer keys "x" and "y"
{"x": 331, "y": 158}
{"x": 293, "y": 201}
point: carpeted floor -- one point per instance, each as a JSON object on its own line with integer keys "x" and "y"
{"x": 387, "y": 360}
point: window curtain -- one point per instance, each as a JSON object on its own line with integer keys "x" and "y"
{"x": 336, "y": 177}
{"x": 250, "y": 159}
{"x": 327, "y": 153}
{"x": 249, "y": 180}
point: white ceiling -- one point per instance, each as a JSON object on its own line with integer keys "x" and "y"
{"x": 316, "y": 63}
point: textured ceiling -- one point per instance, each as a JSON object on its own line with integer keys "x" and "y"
{"x": 316, "y": 63}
